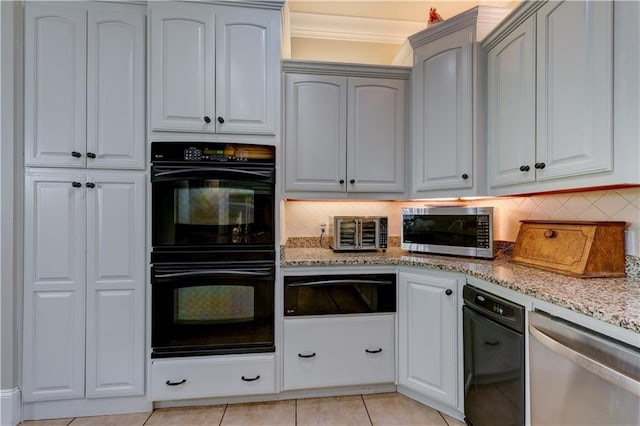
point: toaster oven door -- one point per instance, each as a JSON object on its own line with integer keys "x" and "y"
{"x": 356, "y": 233}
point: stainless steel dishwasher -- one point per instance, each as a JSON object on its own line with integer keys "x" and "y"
{"x": 579, "y": 377}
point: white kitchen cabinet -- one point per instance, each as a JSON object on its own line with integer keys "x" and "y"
{"x": 84, "y": 276}
{"x": 214, "y": 69}
{"x": 447, "y": 141}
{"x": 344, "y": 129}
{"x": 428, "y": 335}
{"x": 338, "y": 351}
{"x": 84, "y": 85}
{"x": 207, "y": 377}
{"x": 552, "y": 92}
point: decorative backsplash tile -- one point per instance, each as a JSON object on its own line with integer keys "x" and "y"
{"x": 302, "y": 218}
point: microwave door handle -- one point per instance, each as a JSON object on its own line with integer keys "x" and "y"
{"x": 171, "y": 172}
{"x": 339, "y": 282}
{"x": 257, "y": 273}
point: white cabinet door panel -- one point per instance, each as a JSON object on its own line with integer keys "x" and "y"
{"x": 316, "y": 133}
{"x": 55, "y": 85}
{"x": 443, "y": 118}
{"x": 54, "y": 346}
{"x": 428, "y": 335}
{"x": 116, "y": 87}
{"x": 375, "y": 152}
{"x": 115, "y": 284}
{"x": 182, "y": 67}
{"x": 575, "y": 88}
{"x": 511, "y": 100}
{"x": 247, "y": 71}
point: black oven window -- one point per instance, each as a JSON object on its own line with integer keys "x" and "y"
{"x": 213, "y": 304}
{"x": 448, "y": 230}
{"x": 206, "y": 212}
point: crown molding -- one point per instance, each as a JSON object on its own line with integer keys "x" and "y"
{"x": 352, "y": 28}
{"x": 404, "y": 57}
{"x": 346, "y": 69}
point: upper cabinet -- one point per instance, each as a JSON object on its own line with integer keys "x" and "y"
{"x": 447, "y": 141}
{"x": 84, "y": 85}
{"x": 555, "y": 79}
{"x": 214, "y": 69}
{"x": 344, "y": 130}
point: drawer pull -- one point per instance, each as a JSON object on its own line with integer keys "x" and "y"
{"x": 549, "y": 233}
{"x": 374, "y": 351}
{"x": 251, "y": 379}
{"x": 170, "y": 383}
{"x": 307, "y": 355}
{"x": 492, "y": 343}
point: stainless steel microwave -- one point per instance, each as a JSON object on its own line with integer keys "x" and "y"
{"x": 359, "y": 233}
{"x": 462, "y": 231}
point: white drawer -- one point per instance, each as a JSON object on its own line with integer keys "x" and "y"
{"x": 203, "y": 377}
{"x": 339, "y": 351}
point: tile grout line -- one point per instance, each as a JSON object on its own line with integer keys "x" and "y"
{"x": 443, "y": 419}
{"x": 366, "y": 409}
{"x": 295, "y": 412}
{"x": 226, "y": 406}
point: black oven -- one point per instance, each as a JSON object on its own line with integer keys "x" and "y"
{"x": 208, "y": 196}
{"x": 213, "y": 248}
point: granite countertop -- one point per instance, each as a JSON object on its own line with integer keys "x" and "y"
{"x": 613, "y": 300}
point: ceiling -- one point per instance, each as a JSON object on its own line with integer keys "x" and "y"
{"x": 373, "y": 31}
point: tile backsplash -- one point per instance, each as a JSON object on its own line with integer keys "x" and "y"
{"x": 302, "y": 218}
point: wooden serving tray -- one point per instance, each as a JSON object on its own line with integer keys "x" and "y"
{"x": 576, "y": 248}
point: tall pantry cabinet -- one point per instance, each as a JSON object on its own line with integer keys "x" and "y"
{"x": 84, "y": 212}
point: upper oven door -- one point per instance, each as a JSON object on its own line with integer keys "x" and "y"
{"x": 202, "y": 207}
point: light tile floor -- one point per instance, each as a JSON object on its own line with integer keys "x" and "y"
{"x": 387, "y": 409}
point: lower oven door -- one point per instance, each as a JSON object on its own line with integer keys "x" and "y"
{"x": 212, "y": 308}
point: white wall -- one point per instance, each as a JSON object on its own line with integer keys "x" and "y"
{"x": 301, "y": 218}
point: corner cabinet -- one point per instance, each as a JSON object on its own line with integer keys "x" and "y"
{"x": 214, "y": 69}
{"x": 555, "y": 77}
{"x": 447, "y": 137}
{"x": 84, "y": 280}
{"x": 344, "y": 129}
{"x": 84, "y": 85}
{"x": 429, "y": 336}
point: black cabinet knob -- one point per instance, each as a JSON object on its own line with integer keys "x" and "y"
{"x": 76, "y": 154}
{"x": 76, "y": 184}
{"x": 91, "y": 155}
{"x": 341, "y": 181}
{"x": 90, "y": 185}
{"x": 525, "y": 168}
{"x": 220, "y": 120}
{"x": 540, "y": 166}
{"x": 352, "y": 181}
{"x": 207, "y": 119}
{"x": 448, "y": 292}
{"x": 465, "y": 176}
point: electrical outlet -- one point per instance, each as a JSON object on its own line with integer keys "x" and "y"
{"x": 323, "y": 227}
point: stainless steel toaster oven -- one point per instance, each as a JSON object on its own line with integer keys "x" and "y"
{"x": 360, "y": 233}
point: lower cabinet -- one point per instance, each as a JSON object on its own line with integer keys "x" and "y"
{"x": 84, "y": 280}
{"x": 338, "y": 351}
{"x": 428, "y": 336}
{"x": 209, "y": 377}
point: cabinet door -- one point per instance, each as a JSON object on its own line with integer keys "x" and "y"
{"x": 511, "y": 101}
{"x": 116, "y": 86}
{"x": 115, "y": 283}
{"x": 442, "y": 119}
{"x": 315, "y": 133}
{"x": 575, "y": 88}
{"x": 375, "y": 135}
{"x": 247, "y": 70}
{"x": 427, "y": 335}
{"x": 55, "y": 85}
{"x": 54, "y": 285}
{"x": 182, "y": 67}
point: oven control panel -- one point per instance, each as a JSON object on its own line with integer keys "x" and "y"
{"x": 211, "y": 152}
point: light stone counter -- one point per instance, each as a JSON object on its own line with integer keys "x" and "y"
{"x": 613, "y": 300}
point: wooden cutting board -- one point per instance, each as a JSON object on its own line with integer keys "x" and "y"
{"x": 576, "y": 248}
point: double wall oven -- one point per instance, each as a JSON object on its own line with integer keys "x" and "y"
{"x": 213, "y": 248}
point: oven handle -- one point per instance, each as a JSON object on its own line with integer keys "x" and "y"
{"x": 257, "y": 273}
{"x": 159, "y": 171}
{"x": 339, "y": 282}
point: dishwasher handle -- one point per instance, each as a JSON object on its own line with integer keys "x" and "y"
{"x": 607, "y": 373}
